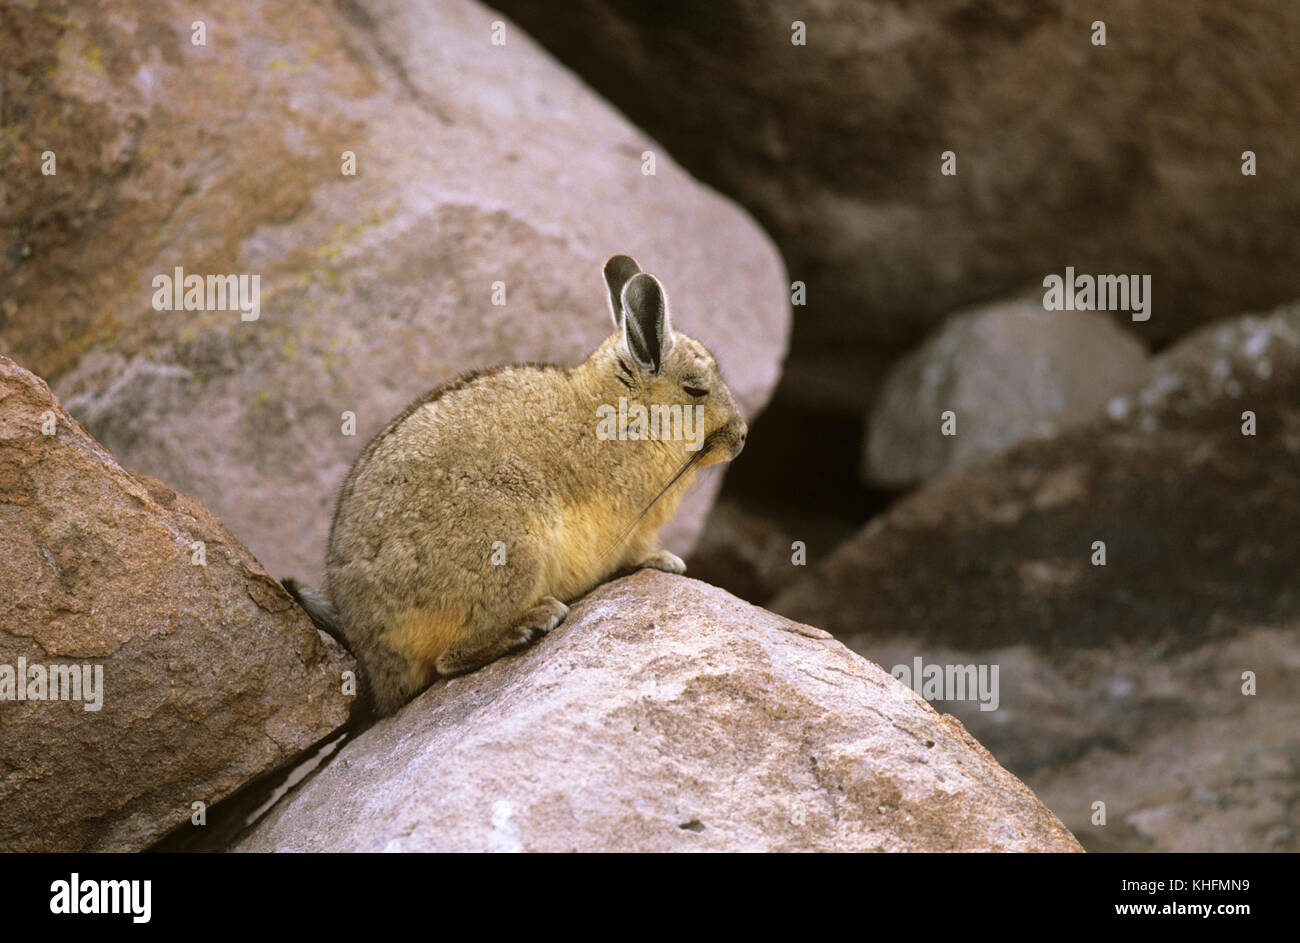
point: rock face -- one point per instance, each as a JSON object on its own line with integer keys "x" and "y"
{"x": 201, "y": 677}
{"x": 1007, "y": 372}
{"x": 665, "y": 715}
{"x": 1124, "y": 682}
{"x": 1182, "y": 757}
{"x": 1122, "y": 158}
{"x": 483, "y": 173}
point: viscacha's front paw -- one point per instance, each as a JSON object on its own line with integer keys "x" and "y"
{"x": 663, "y": 560}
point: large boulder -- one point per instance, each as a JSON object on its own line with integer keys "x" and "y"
{"x": 476, "y": 164}
{"x": 183, "y": 670}
{"x": 1007, "y": 372}
{"x": 1125, "y": 575}
{"x": 1122, "y": 158}
{"x": 665, "y": 715}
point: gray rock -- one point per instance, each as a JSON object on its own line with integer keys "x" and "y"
{"x": 665, "y": 715}
{"x": 1008, "y": 372}
{"x": 1184, "y": 760}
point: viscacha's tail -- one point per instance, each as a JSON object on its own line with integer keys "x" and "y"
{"x": 321, "y": 610}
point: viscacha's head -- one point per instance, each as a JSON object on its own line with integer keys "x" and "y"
{"x": 663, "y": 369}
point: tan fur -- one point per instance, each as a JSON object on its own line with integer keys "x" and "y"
{"x": 421, "y": 635}
{"x": 507, "y": 455}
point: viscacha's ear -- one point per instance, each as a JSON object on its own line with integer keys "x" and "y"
{"x": 618, "y": 271}
{"x": 647, "y": 332}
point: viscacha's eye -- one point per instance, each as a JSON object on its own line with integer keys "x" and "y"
{"x": 695, "y": 390}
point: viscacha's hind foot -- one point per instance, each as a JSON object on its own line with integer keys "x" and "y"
{"x": 534, "y": 623}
